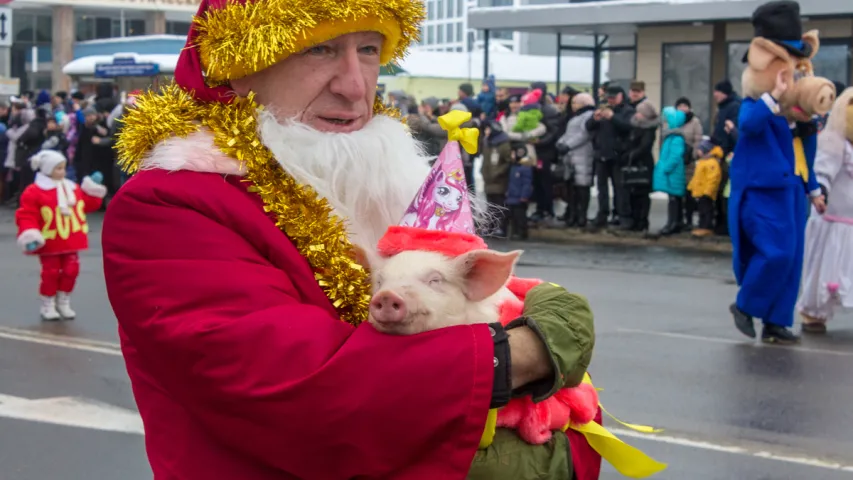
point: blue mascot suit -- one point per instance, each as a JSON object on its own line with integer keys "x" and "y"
{"x": 767, "y": 215}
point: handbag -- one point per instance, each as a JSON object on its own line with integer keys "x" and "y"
{"x": 636, "y": 176}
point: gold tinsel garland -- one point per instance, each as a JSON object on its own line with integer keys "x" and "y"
{"x": 307, "y": 219}
{"x": 246, "y": 36}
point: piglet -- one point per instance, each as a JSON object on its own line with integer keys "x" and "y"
{"x": 417, "y": 291}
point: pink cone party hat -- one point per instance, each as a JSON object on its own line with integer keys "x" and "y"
{"x": 442, "y": 201}
{"x": 440, "y": 218}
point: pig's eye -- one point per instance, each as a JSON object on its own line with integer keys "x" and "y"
{"x": 434, "y": 279}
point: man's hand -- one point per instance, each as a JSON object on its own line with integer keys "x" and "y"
{"x": 729, "y": 126}
{"x": 530, "y": 360}
{"x": 96, "y": 140}
{"x": 819, "y": 203}
{"x": 607, "y": 114}
{"x": 781, "y": 85}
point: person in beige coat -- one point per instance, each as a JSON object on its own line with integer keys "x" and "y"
{"x": 692, "y": 131}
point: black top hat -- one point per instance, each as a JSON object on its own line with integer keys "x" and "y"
{"x": 779, "y": 22}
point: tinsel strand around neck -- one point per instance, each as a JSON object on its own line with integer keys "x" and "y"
{"x": 307, "y": 219}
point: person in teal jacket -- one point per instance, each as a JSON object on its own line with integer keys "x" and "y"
{"x": 669, "y": 170}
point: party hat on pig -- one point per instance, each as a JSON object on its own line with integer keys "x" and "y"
{"x": 439, "y": 218}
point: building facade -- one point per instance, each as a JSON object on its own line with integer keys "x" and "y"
{"x": 680, "y": 48}
{"x": 446, "y": 30}
{"x": 44, "y": 32}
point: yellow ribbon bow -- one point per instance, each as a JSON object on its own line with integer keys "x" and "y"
{"x": 467, "y": 137}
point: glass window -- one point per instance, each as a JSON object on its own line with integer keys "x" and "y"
{"x": 622, "y": 67}
{"x": 687, "y": 73}
{"x": 422, "y": 40}
{"x": 459, "y": 37}
{"x": 44, "y": 28}
{"x": 833, "y": 61}
{"x": 134, "y": 27}
{"x": 459, "y": 5}
{"x": 23, "y": 28}
{"x": 735, "y": 65}
{"x": 458, "y": 49}
{"x": 84, "y": 28}
{"x": 501, "y": 34}
{"x": 431, "y": 10}
{"x": 440, "y": 9}
{"x": 450, "y": 8}
{"x": 430, "y": 34}
{"x": 440, "y": 34}
{"x": 449, "y": 28}
{"x": 178, "y": 28}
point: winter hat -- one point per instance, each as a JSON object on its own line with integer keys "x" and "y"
{"x": 459, "y": 107}
{"x": 724, "y": 86}
{"x": 705, "y": 145}
{"x": 638, "y": 86}
{"x": 89, "y": 111}
{"x": 570, "y": 91}
{"x": 683, "y": 101}
{"x": 45, "y": 161}
{"x": 532, "y": 97}
{"x": 780, "y": 22}
{"x": 230, "y": 39}
{"x": 647, "y": 110}
{"x": 439, "y": 219}
{"x": 584, "y": 100}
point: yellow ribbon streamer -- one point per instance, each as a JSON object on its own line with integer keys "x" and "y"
{"x": 467, "y": 137}
{"x": 801, "y": 168}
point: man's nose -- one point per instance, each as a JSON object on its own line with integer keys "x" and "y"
{"x": 349, "y": 80}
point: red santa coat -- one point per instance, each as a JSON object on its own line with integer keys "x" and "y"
{"x": 240, "y": 366}
{"x": 39, "y": 210}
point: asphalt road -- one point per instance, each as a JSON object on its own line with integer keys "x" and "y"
{"x": 667, "y": 355}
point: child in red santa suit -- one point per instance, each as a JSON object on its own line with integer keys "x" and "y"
{"x": 52, "y": 224}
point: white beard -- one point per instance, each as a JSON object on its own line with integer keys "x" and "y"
{"x": 369, "y": 177}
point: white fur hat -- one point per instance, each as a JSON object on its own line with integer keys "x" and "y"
{"x": 46, "y": 160}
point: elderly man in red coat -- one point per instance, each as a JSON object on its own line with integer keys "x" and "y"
{"x": 230, "y": 265}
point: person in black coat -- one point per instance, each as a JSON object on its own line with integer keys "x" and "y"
{"x": 29, "y": 144}
{"x": 611, "y": 127}
{"x": 645, "y": 121}
{"x": 546, "y": 152}
{"x": 728, "y": 109}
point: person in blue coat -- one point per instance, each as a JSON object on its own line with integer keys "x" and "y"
{"x": 767, "y": 208}
{"x": 669, "y": 170}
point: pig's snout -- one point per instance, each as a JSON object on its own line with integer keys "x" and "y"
{"x": 388, "y": 307}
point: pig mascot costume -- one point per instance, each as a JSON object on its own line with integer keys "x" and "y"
{"x": 828, "y": 282}
{"x": 231, "y": 261}
{"x": 769, "y": 177}
{"x": 435, "y": 272}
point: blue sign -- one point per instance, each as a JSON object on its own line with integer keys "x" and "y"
{"x": 126, "y": 67}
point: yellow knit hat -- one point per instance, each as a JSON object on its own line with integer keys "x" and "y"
{"x": 236, "y": 38}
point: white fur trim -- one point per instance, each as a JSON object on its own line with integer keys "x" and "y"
{"x": 91, "y": 188}
{"x": 195, "y": 152}
{"x": 28, "y": 236}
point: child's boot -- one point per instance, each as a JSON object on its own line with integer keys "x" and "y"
{"x": 63, "y": 305}
{"x": 48, "y": 309}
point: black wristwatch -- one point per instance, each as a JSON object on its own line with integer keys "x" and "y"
{"x": 502, "y": 385}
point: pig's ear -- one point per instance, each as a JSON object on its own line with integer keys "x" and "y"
{"x": 484, "y": 272}
{"x": 763, "y": 52}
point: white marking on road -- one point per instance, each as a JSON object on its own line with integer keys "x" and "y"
{"x": 704, "y": 445}
{"x": 72, "y": 412}
{"x": 684, "y": 336}
{"x": 96, "y": 346}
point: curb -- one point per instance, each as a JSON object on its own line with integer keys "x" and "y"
{"x": 609, "y": 237}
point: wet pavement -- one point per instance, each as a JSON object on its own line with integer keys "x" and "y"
{"x": 666, "y": 355}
